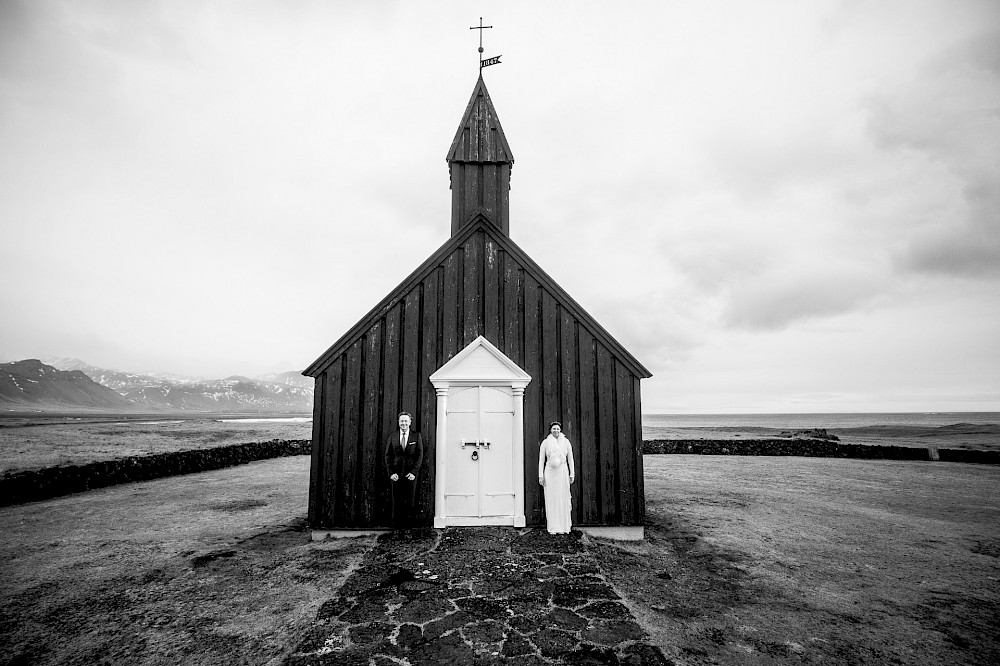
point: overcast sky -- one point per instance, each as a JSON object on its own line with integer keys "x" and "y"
{"x": 775, "y": 206}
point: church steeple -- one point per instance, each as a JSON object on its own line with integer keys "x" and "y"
{"x": 479, "y": 162}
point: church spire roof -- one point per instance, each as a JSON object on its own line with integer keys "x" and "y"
{"x": 480, "y": 138}
{"x": 479, "y": 163}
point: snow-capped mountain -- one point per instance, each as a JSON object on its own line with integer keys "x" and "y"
{"x": 291, "y": 378}
{"x": 147, "y": 392}
{"x": 34, "y": 386}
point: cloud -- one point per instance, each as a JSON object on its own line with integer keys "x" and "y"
{"x": 800, "y": 292}
{"x": 946, "y": 116}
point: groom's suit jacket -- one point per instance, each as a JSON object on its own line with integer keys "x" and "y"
{"x": 403, "y": 461}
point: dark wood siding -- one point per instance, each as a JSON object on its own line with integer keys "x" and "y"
{"x": 607, "y": 444}
{"x": 586, "y": 441}
{"x": 625, "y": 449}
{"x": 371, "y": 424}
{"x": 477, "y": 289}
{"x": 531, "y": 363}
{"x": 317, "y": 455}
{"x": 640, "y": 486}
{"x": 331, "y": 438}
{"x": 427, "y": 416}
{"x": 352, "y": 445}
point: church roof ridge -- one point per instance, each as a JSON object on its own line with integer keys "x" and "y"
{"x": 480, "y": 137}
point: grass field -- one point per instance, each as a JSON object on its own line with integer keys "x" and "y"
{"x": 978, "y": 437}
{"x": 35, "y": 443}
{"x": 746, "y": 561}
{"x": 800, "y": 560}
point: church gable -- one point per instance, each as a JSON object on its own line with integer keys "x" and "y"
{"x": 478, "y": 283}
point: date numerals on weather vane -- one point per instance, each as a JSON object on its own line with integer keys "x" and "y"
{"x": 495, "y": 60}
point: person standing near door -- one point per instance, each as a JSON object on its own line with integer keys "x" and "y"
{"x": 555, "y": 474}
{"x": 404, "y": 453}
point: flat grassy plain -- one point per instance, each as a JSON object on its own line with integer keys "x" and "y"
{"x": 36, "y": 442}
{"x": 746, "y": 561}
{"x": 787, "y": 560}
{"x": 974, "y": 437}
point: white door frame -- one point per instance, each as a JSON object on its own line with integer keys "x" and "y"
{"x": 471, "y": 367}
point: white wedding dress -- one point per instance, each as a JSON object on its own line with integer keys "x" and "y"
{"x": 555, "y": 464}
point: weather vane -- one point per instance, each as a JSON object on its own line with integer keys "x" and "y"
{"x": 495, "y": 60}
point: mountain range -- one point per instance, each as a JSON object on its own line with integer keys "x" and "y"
{"x": 62, "y": 384}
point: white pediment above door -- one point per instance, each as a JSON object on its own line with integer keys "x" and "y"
{"x": 480, "y": 363}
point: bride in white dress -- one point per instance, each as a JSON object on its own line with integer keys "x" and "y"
{"x": 555, "y": 474}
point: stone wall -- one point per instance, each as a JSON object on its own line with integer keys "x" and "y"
{"x": 816, "y": 448}
{"x": 31, "y": 486}
{"x": 965, "y": 455}
{"x": 34, "y": 485}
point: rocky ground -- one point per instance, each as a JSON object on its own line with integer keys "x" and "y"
{"x": 486, "y": 596}
{"x": 745, "y": 561}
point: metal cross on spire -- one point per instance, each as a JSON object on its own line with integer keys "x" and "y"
{"x": 495, "y": 60}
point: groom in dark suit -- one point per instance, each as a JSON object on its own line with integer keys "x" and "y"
{"x": 404, "y": 453}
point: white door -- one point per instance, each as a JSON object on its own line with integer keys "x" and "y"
{"x": 479, "y": 489}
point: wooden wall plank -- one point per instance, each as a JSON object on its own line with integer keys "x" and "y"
{"x": 371, "y": 425}
{"x": 589, "y": 475}
{"x": 490, "y": 192}
{"x": 513, "y": 308}
{"x": 569, "y": 377}
{"x": 457, "y": 195}
{"x": 550, "y": 370}
{"x": 474, "y": 131}
{"x": 533, "y": 430}
{"x": 350, "y": 439}
{"x": 316, "y": 456}
{"x": 391, "y": 373}
{"x": 606, "y": 443}
{"x": 625, "y": 438}
{"x": 473, "y": 190}
{"x": 427, "y": 419}
{"x": 472, "y": 288}
{"x": 410, "y": 354}
{"x": 640, "y": 485}
{"x": 332, "y": 438}
{"x": 504, "y": 203}
{"x": 449, "y": 311}
{"x": 492, "y": 292}
{"x": 412, "y": 379}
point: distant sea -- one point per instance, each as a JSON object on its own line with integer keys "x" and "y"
{"x": 770, "y": 421}
{"x": 807, "y": 421}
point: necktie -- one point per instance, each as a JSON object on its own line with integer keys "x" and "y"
{"x": 402, "y": 439}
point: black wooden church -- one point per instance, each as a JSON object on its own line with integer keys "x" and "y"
{"x": 484, "y": 349}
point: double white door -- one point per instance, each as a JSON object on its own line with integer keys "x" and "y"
{"x": 480, "y": 471}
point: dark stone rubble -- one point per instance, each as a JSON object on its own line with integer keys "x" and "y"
{"x": 484, "y": 596}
